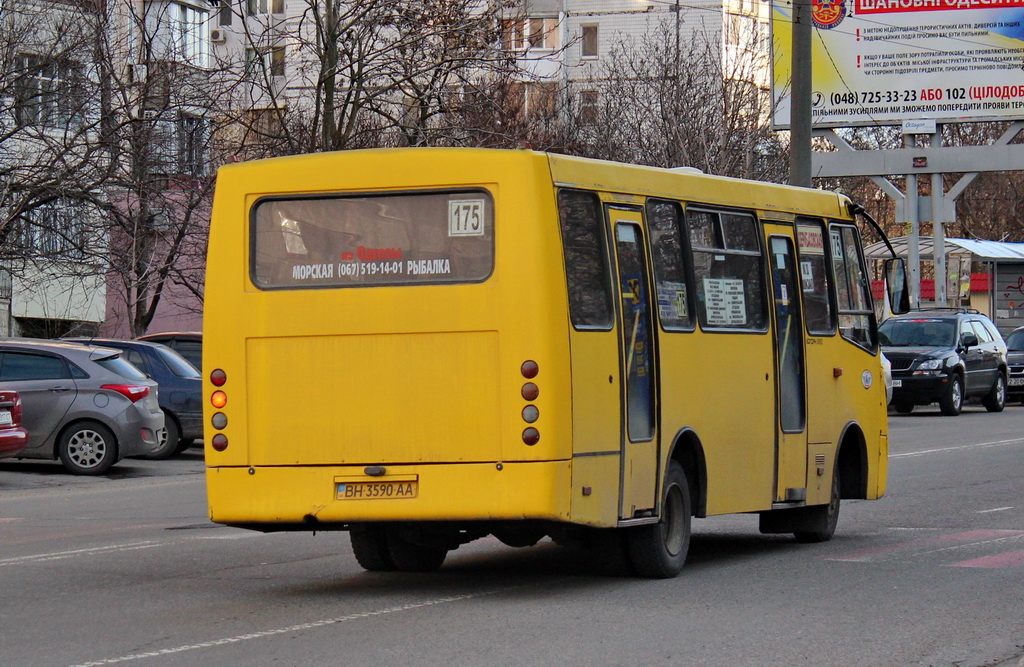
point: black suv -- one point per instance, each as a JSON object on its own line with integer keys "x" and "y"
{"x": 944, "y": 355}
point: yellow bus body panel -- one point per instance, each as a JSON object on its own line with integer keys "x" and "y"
{"x": 298, "y": 494}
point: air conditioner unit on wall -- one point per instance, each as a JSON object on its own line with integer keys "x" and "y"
{"x": 218, "y": 36}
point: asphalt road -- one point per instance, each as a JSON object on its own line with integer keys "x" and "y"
{"x": 128, "y": 570}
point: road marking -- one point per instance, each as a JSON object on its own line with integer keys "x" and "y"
{"x": 957, "y": 448}
{"x": 60, "y": 555}
{"x": 925, "y": 546}
{"x": 1008, "y": 559}
{"x": 994, "y": 509}
{"x": 295, "y": 628}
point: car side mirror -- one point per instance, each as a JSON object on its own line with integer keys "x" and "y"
{"x": 896, "y": 285}
{"x": 969, "y": 340}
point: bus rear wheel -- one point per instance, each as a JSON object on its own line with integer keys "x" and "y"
{"x": 659, "y": 550}
{"x": 821, "y": 520}
{"x": 370, "y": 546}
{"x": 410, "y": 556}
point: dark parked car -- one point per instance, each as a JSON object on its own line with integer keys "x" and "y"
{"x": 944, "y": 355}
{"x": 80, "y": 403}
{"x": 1015, "y": 362}
{"x": 188, "y": 344}
{"x": 181, "y": 390}
{"x": 13, "y": 438}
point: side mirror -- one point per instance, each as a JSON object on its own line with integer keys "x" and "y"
{"x": 969, "y": 340}
{"x": 896, "y": 286}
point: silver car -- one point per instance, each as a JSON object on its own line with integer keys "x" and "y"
{"x": 81, "y": 404}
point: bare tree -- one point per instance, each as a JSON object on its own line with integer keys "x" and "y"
{"x": 666, "y": 102}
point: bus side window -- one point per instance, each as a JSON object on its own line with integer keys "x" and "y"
{"x": 856, "y": 312}
{"x": 671, "y": 282}
{"x": 586, "y": 265}
{"x": 728, "y": 270}
{"x": 814, "y": 277}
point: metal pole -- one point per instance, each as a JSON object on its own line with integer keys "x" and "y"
{"x": 938, "y": 232}
{"x": 914, "y": 240}
{"x": 800, "y": 102}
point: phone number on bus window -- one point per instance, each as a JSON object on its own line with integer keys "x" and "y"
{"x": 411, "y": 267}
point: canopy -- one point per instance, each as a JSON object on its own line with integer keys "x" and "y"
{"x": 982, "y": 251}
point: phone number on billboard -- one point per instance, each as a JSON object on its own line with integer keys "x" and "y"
{"x": 892, "y": 96}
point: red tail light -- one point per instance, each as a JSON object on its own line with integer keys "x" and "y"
{"x": 133, "y": 392}
{"x": 11, "y": 401}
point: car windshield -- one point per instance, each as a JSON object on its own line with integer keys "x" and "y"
{"x": 123, "y": 368}
{"x": 917, "y": 333}
{"x": 1015, "y": 341}
{"x": 178, "y": 365}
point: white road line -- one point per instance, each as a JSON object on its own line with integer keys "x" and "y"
{"x": 994, "y": 509}
{"x": 977, "y": 445}
{"x": 60, "y": 555}
{"x": 294, "y": 628}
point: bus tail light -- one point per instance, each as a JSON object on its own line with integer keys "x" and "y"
{"x": 219, "y": 442}
{"x": 531, "y": 436}
{"x": 218, "y": 399}
{"x": 529, "y": 369}
{"x": 218, "y": 378}
{"x": 530, "y": 391}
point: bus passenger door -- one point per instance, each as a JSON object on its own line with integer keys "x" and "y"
{"x": 791, "y": 402}
{"x": 639, "y": 443}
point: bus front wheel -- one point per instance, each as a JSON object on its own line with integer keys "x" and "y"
{"x": 659, "y": 550}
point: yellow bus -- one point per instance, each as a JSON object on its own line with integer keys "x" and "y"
{"x": 428, "y": 346}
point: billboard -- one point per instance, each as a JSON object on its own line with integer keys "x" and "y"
{"x": 880, "y": 62}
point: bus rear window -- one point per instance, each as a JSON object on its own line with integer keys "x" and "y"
{"x": 420, "y": 238}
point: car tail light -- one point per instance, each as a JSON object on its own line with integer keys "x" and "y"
{"x": 133, "y": 392}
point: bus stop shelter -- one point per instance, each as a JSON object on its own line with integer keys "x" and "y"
{"x": 985, "y": 275}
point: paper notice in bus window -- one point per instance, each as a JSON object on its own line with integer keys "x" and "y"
{"x": 725, "y": 302}
{"x": 466, "y": 217}
{"x": 807, "y": 275}
{"x": 672, "y": 300}
{"x": 811, "y": 240}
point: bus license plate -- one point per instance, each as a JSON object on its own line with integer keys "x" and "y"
{"x": 1016, "y": 382}
{"x": 398, "y": 489}
{"x": 5, "y": 418}
{"x": 897, "y": 383}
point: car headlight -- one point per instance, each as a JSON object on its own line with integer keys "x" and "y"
{"x": 930, "y": 365}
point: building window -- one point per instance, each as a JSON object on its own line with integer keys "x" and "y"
{"x": 254, "y": 7}
{"x": 56, "y": 230}
{"x": 192, "y": 136}
{"x": 589, "y": 43}
{"x": 190, "y": 35}
{"x": 277, "y": 61}
{"x": 49, "y": 93}
{"x": 277, "y": 6}
{"x": 543, "y": 33}
{"x": 224, "y": 13}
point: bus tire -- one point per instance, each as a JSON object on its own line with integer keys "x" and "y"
{"x": 659, "y": 550}
{"x": 820, "y": 520}
{"x": 370, "y": 546}
{"x": 953, "y": 400}
{"x": 409, "y": 556}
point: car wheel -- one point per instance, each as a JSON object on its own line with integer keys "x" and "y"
{"x": 169, "y": 438}
{"x": 184, "y": 444}
{"x": 903, "y": 407}
{"x": 659, "y": 550}
{"x": 953, "y": 402}
{"x": 995, "y": 400}
{"x": 87, "y": 448}
{"x": 370, "y": 546}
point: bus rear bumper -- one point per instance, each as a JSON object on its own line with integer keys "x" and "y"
{"x": 331, "y": 497}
